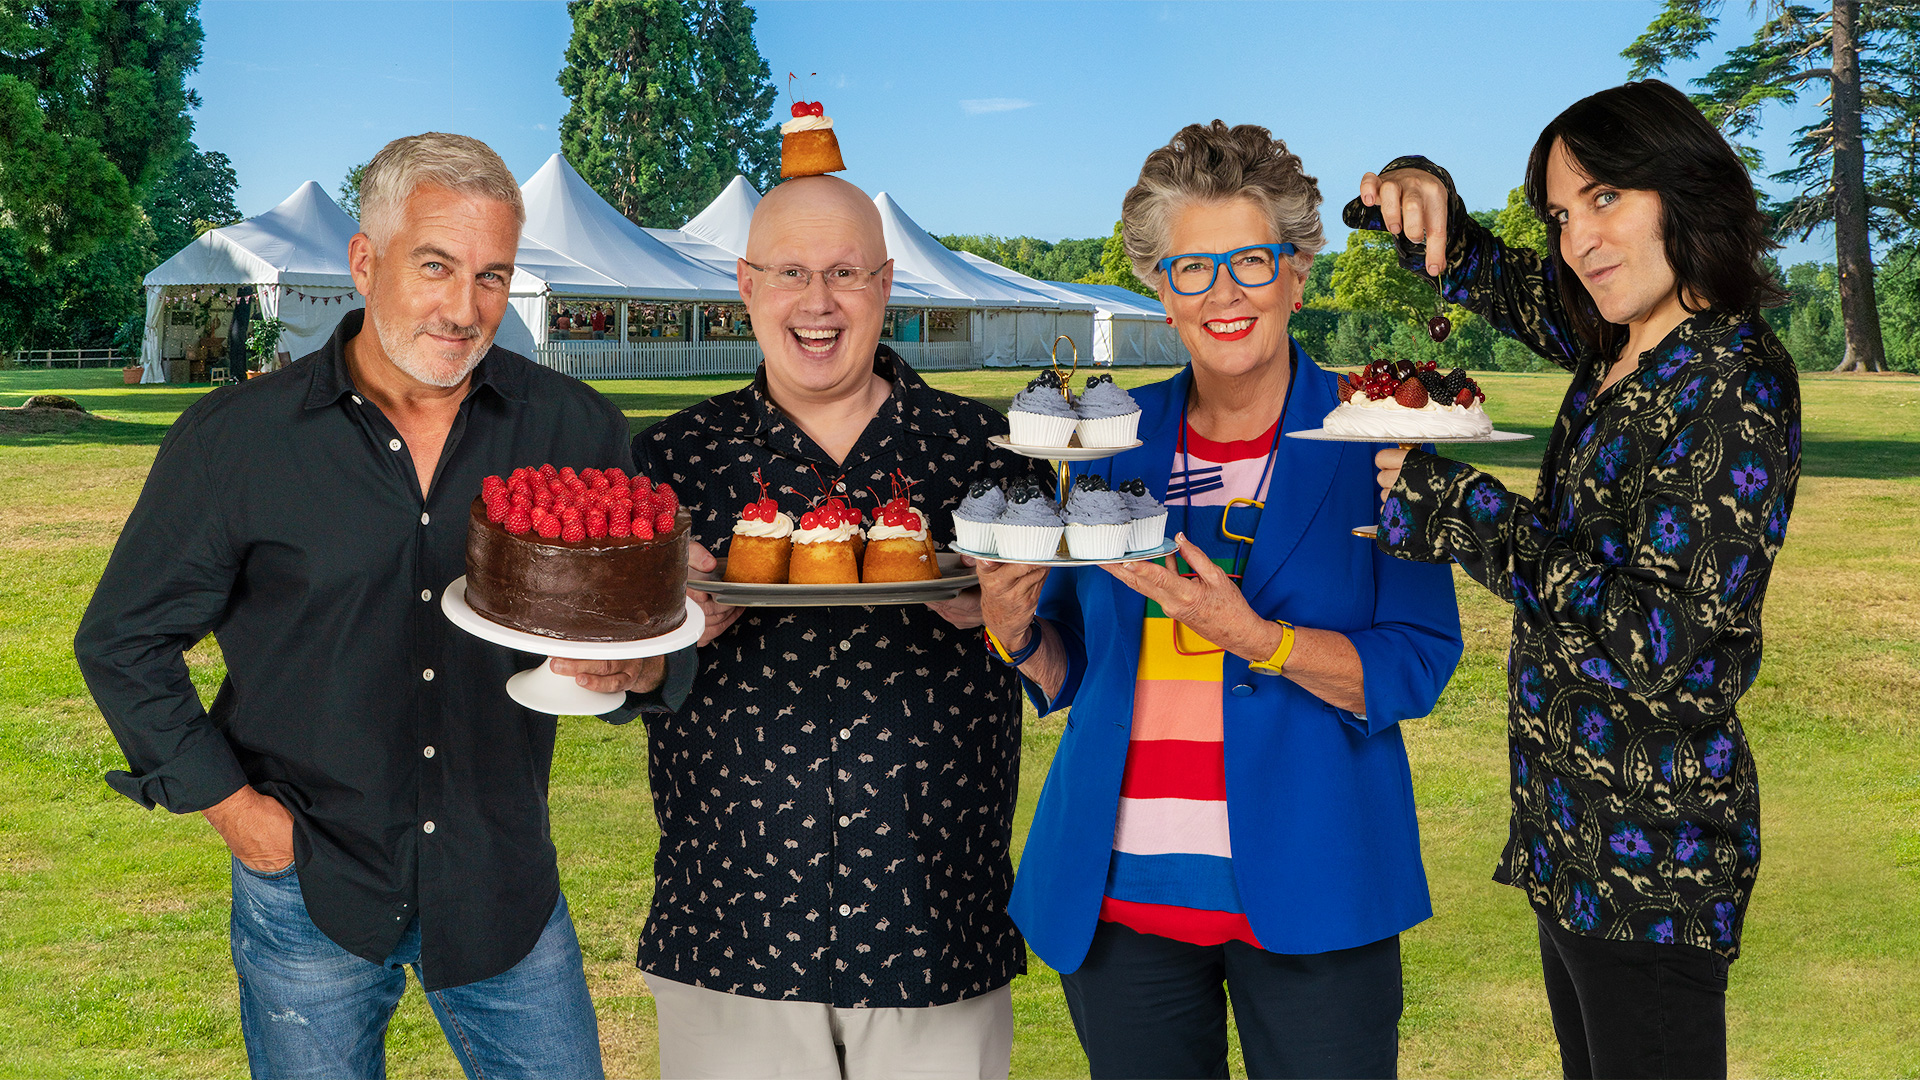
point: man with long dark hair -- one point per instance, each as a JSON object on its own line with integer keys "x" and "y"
{"x": 1637, "y": 570}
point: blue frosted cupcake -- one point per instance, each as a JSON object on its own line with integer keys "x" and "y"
{"x": 1096, "y": 520}
{"x": 1029, "y": 528}
{"x": 1147, "y": 525}
{"x": 1042, "y": 414}
{"x": 973, "y": 519}
{"x": 1108, "y": 415}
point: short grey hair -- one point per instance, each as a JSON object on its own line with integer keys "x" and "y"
{"x": 455, "y": 162}
{"x": 1212, "y": 163}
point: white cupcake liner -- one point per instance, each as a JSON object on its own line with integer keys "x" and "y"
{"x": 1027, "y": 541}
{"x": 1039, "y": 429}
{"x": 1096, "y": 541}
{"x": 1148, "y": 532}
{"x": 975, "y": 535}
{"x": 1110, "y": 430}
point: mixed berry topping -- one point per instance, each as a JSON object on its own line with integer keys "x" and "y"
{"x": 1410, "y": 384}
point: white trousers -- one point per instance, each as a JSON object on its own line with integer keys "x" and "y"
{"x": 712, "y": 1035}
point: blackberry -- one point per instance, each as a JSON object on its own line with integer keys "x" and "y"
{"x": 1456, "y": 381}
{"x": 1135, "y": 487}
{"x": 1434, "y": 382}
{"x": 1096, "y": 380}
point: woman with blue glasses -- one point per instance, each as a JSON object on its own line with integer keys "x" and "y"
{"x": 1230, "y": 812}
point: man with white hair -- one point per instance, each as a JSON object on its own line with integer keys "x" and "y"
{"x": 384, "y": 801}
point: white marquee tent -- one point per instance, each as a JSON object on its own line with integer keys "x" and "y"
{"x": 1128, "y": 329}
{"x": 295, "y": 257}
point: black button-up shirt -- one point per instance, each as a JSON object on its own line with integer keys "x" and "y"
{"x": 283, "y": 516}
{"x": 836, "y": 797}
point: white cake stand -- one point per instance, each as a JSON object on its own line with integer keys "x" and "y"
{"x": 1368, "y": 532}
{"x": 539, "y": 688}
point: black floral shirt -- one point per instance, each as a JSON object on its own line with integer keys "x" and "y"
{"x": 1637, "y": 573}
{"x": 836, "y": 797}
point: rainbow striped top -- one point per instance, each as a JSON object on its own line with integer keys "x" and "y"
{"x": 1171, "y": 872}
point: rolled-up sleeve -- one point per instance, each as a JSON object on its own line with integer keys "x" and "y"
{"x": 165, "y": 587}
{"x": 1413, "y": 646}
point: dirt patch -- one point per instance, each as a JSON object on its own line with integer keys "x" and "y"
{"x": 47, "y": 414}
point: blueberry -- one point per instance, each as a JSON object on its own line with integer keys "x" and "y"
{"x": 1135, "y": 487}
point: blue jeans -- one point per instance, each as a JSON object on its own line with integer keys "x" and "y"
{"x": 309, "y": 1008}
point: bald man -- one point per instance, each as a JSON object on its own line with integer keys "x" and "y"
{"x": 836, "y": 797}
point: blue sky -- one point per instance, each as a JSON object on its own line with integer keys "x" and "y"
{"x": 1012, "y": 118}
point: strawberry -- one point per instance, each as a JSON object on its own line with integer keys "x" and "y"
{"x": 518, "y": 521}
{"x": 663, "y": 524}
{"x": 619, "y": 525}
{"x": 1464, "y": 397}
{"x": 548, "y": 526}
{"x": 1411, "y": 393}
{"x": 597, "y": 523}
{"x": 1344, "y": 389}
{"x": 642, "y": 529}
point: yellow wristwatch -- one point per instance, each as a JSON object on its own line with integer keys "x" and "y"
{"x": 1272, "y": 664}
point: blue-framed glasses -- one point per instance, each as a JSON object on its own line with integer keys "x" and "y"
{"x": 1252, "y": 266}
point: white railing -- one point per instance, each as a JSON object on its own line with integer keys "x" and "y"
{"x": 73, "y": 358}
{"x": 649, "y": 359}
{"x": 936, "y": 355}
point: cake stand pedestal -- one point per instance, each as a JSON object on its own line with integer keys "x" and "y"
{"x": 539, "y": 688}
{"x": 1368, "y": 532}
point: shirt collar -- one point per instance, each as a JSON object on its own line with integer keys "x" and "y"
{"x": 906, "y": 404}
{"x": 332, "y": 380}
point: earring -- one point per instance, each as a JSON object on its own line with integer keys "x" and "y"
{"x": 1296, "y": 305}
{"x": 1169, "y": 320}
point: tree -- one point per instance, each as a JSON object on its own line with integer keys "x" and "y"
{"x": 671, "y": 98}
{"x": 1116, "y": 268}
{"x": 197, "y": 193}
{"x": 1865, "y": 53}
{"x": 349, "y": 192}
{"x": 93, "y": 113}
{"x": 1066, "y": 260}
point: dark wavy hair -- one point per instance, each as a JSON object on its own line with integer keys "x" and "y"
{"x": 1647, "y": 136}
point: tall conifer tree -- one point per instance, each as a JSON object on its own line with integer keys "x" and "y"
{"x": 671, "y": 98}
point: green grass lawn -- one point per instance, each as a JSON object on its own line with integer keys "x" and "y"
{"x": 113, "y": 919}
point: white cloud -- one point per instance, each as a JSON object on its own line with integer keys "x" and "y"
{"x": 976, "y": 106}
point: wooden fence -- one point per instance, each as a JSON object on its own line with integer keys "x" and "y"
{"x": 72, "y": 358}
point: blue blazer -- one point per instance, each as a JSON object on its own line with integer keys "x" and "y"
{"x": 1326, "y": 848}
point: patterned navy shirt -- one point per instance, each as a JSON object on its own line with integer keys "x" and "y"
{"x": 836, "y": 797}
{"x": 1637, "y": 573}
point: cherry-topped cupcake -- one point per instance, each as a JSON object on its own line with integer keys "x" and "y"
{"x": 762, "y": 543}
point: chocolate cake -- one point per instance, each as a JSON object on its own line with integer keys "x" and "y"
{"x": 612, "y": 588}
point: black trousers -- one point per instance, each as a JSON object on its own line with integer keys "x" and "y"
{"x": 1148, "y": 1006}
{"x": 1634, "y": 1008}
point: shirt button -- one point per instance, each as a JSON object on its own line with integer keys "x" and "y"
{"x": 427, "y": 675}
{"x": 1243, "y": 690}
{"x": 846, "y": 910}
{"x": 846, "y": 646}
{"x": 424, "y": 519}
{"x": 393, "y": 444}
{"x": 428, "y": 751}
{"x": 356, "y": 399}
{"x": 845, "y": 821}
{"x": 428, "y": 827}
{"x": 426, "y": 594}
{"x": 845, "y": 734}
{"x": 841, "y": 486}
